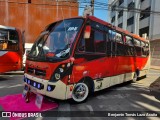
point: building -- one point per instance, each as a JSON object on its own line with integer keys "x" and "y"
{"x": 140, "y": 17}
{"x": 31, "y": 16}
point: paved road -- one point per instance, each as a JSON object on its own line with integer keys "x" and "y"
{"x": 124, "y": 97}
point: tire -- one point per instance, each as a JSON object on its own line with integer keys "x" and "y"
{"x": 135, "y": 77}
{"x": 80, "y": 92}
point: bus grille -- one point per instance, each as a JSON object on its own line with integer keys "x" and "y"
{"x": 37, "y": 72}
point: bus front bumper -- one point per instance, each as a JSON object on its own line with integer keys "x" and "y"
{"x": 55, "y": 90}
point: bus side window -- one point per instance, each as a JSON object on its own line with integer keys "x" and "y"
{"x": 96, "y": 43}
{"x": 119, "y": 44}
{"x": 147, "y": 49}
{"x": 130, "y": 46}
{"x": 137, "y": 45}
{"x": 111, "y": 43}
{"x": 99, "y": 42}
{"x": 81, "y": 46}
{"x": 143, "y": 48}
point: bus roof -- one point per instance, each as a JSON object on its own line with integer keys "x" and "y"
{"x": 117, "y": 28}
{"x": 7, "y": 27}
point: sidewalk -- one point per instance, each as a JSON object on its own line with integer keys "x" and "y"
{"x": 14, "y": 73}
{"x": 155, "y": 67}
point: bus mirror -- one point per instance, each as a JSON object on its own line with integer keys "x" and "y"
{"x": 87, "y": 32}
{"x": 72, "y": 59}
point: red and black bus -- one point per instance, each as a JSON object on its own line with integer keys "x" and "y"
{"x": 74, "y": 57}
{"x": 11, "y": 49}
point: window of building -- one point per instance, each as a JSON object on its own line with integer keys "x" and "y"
{"x": 144, "y": 31}
{"x": 142, "y": 1}
{"x": 145, "y": 13}
{"x": 131, "y": 5}
{"x": 130, "y": 21}
{"x": 113, "y": 7}
{"x": 113, "y": 19}
{"x": 120, "y": 25}
{"x": 120, "y": 2}
{"x": 120, "y": 14}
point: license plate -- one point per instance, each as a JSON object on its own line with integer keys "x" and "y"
{"x": 39, "y": 100}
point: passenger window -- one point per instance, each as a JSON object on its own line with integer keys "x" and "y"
{"x": 129, "y": 41}
{"x": 99, "y": 42}
{"x": 118, "y": 38}
{"x": 137, "y": 45}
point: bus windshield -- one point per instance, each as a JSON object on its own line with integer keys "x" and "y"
{"x": 8, "y": 40}
{"x": 58, "y": 42}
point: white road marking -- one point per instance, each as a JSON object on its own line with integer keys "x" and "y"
{"x": 90, "y": 109}
{"x": 119, "y": 96}
{"x": 18, "y": 85}
{"x": 124, "y": 88}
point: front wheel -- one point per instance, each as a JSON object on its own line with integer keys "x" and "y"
{"x": 80, "y": 92}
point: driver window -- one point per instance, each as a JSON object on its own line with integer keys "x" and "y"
{"x": 96, "y": 43}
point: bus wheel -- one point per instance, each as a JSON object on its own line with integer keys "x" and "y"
{"x": 80, "y": 92}
{"x": 135, "y": 77}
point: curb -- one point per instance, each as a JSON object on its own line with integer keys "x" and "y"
{"x": 13, "y": 73}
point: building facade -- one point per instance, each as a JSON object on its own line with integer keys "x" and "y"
{"x": 140, "y": 17}
{"x": 32, "y": 16}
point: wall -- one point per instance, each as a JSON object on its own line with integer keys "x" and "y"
{"x": 155, "y": 52}
{"x": 33, "y": 17}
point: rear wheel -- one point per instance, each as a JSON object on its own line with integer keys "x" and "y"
{"x": 80, "y": 92}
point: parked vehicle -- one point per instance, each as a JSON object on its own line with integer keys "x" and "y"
{"x": 11, "y": 49}
{"x": 74, "y": 57}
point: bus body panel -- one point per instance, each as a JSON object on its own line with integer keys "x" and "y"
{"x": 10, "y": 61}
{"x": 11, "y": 57}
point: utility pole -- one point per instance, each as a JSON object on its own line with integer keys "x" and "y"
{"x": 92, "y": 6}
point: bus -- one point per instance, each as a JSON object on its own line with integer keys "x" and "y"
{"x": 11, "y": 49}
{"x": 75, "y": 57}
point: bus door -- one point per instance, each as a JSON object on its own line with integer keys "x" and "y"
{"x": 90, "y": 57}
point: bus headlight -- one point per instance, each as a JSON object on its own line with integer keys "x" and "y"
{"x": 57, "y": 76}
{"x": 29, "y": 81}
{"x": 60, "y": 72}
{"x": 34, "y": 84}
{"x": 50, "y": 88}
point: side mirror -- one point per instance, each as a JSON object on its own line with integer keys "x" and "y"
{"x": 87, "y": 32}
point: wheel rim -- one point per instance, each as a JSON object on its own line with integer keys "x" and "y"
{"x": 80, "y": 92}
